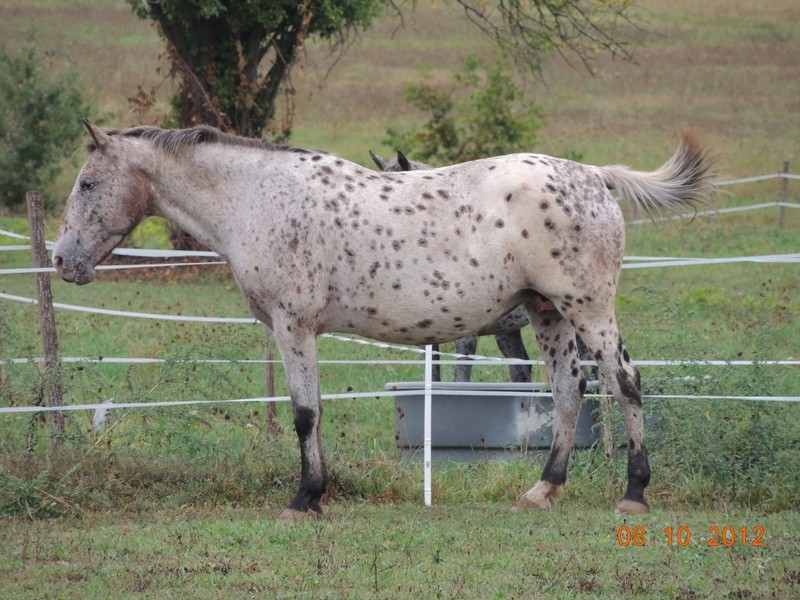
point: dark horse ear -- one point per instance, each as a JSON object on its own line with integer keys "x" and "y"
{"x": 404, "y": 163}
{"x": 377, "y": 160}
{"x": 99, "y": 137}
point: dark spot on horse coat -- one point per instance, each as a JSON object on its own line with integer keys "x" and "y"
{"x": 525, "y": 233}
{"x": 549, "y": 225}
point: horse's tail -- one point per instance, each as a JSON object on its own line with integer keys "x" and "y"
{"x": 686, "y": 179}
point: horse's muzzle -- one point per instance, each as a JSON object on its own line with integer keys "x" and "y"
{"x": 72, "y": 269}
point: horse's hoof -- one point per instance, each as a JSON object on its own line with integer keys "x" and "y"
{"x": 531, "y": 503}
{"x": 631, "y": 507}
{"x": 557, "y": 494}
{"x": 295, "y": 516}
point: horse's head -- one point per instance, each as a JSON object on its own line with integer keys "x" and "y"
{"x": 396, "y": 165}
{"x": 109, "y": 199}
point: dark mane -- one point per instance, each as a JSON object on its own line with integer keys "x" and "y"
{"x": 176, "y": 141}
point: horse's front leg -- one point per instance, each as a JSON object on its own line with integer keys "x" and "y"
{"x": 299, "y": 353}
{"x": 556, "y": 338}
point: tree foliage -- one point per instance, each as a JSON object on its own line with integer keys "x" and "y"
{"x": 532, "y": 30}
{"x": 39, "y": 122}
{"x": 491, "y": 117}
{"x": 233, "y": 59}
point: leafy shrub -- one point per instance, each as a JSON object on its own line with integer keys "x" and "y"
{"x": 494, "y": 118}
{"x": 39, "y": 122}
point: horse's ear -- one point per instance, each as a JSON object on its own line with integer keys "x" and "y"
{"x": 99, "y": 137}
{"x": 377, "y": 160}
{"x": 404, "y": 163}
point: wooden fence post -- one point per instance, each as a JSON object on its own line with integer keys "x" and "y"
{"x": 47, "y": 322}
{"x": 784, "y": 194}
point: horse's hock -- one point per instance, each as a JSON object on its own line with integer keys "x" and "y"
{"x": 475, "y": 421}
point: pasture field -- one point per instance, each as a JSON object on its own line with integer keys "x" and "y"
{"x": 181, "y": 501}
{"x": 398, "y": 550}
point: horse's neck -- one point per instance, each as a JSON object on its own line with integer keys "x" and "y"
{"x": 205, "y": 195}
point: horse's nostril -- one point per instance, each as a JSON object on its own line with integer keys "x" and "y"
{"x": 57, "y": 262}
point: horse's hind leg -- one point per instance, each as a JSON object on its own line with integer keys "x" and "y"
{"x": 618, "y": 374}
{"x": 556, "y": 338}
{"x": 465, "y": 345}
{"x": 511, "y": 346}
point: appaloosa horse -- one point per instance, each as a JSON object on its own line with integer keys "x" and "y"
{"x": 318, "y": 244}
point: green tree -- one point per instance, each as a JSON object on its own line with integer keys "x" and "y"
{"x": 492, "y": 118}
{"x": 39, "y": 122}
{"x": 233, "y": 58}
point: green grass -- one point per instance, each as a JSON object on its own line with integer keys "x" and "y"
{"x": 399, "y": 550}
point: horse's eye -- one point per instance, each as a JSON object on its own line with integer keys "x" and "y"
{"x": 87, "y": 185}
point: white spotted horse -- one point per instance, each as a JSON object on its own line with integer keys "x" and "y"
{"x": 507, "y": 330}
{"x": 319, "y": 244}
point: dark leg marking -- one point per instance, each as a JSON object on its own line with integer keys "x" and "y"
{"x": 312, "y": 482}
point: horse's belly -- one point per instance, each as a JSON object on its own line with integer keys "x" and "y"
{"x": 421, "y": 316}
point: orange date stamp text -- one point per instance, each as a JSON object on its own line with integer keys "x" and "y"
{"x": 719, "y": 536}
